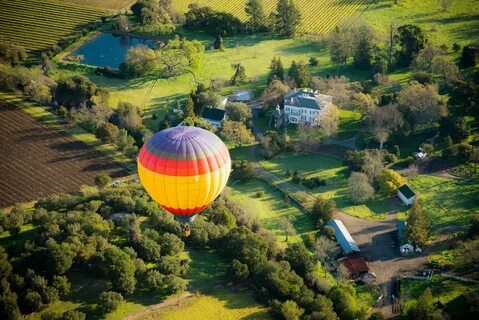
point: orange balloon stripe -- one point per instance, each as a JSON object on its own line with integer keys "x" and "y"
{"x": 183, "y": 167}
{"x": 184, "y": 212}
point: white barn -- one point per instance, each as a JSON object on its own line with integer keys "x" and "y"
{"x": 406, "y": 194}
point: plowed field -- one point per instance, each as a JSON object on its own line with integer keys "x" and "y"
{"x": 36, "y": 160}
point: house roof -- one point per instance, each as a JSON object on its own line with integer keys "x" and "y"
{"x": 343, "y": 237}
{"x": 356, "y": 264}
{"x": 241, "y": 95}
{"x": 406, "y": 191}
{"x": 307, "y": 99}
{"x": 213, "y": 114}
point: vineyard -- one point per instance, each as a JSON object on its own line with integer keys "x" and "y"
{"x": 114, "y": 5}
{"x": 36, "y": 160}
{"x": 319, "y": 16}
{"x": 40, "y": 24}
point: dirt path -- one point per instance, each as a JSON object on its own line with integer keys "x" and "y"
{"x": 164, "y": 304}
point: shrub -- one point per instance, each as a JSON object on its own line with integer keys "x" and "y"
{"x": 260, "y": 194}
{"x": 110, "y": 301}
{"x": 313, "y": 61}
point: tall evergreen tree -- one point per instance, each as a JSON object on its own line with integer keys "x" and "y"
{"x": 276, "y": 70}
{"x": 287, "y": 18}
{"x": 363, "y": 54}
{"x": 299, "y": 72}
{"x": 190, "y": 108}
{"x": 417, "y": 225}
{"x": 257, "y": 18}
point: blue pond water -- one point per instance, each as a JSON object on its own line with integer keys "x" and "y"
{"x": 108, "y": 49}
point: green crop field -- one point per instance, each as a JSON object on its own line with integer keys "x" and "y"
{"x": 39, "y": 24}
{"x": 319, "y": 16}
{"x": 103, "y": 4}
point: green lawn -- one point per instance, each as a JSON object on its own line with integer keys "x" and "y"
{"x": 443, "y": 289}
{"x": 271, "y": 208}
{"x": 448, "y": 203}
{"x": 335, "y": 174}
{"x": 348, "y": 124}
{"x": 459, "y": 24}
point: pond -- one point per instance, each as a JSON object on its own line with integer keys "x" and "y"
{"x": 108, "y": 49}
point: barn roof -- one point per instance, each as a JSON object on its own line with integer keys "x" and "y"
{"x": 356, "y": 264}
{"x": 407, "y": 191}
{"x": 343, "y": 237}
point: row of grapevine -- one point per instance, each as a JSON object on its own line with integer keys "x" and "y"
{"x": 319, "y": 16}
{"x": 115, "y": 5}
{"x": 40, "y": 24}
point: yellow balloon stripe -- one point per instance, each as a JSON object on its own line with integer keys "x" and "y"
{"x": 184, "y": 192}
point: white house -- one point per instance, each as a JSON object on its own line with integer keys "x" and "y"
{"x": 305, "y": 106}
{"x": 406, "y": 194}
{"x": 214, "y": 116}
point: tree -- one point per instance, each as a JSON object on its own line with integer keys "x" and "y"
{"x": 102, "y": 180}
{"x": 276, "y": 70}
{"x": 286, "y": 18}
{"x": 299, "y": 73}
{"x": 376, "y": 316}
{"x": 389, "y": 181}
{"x": 123, "y": 25}
{"x": 274, "y": 94}
{"x": 383, "y": 121}
{"x": 373, "y": 164}
{"x": 237, "y": 111}
{"x": 11, "y": 53}
{"x": 340, "y": 45}
{"x": 359, "y": 188}
{"x": 411, "y": 39}
{"x": 424, "y": 308}
{"x": 154, "y": 280}
{"x": 172, "y": 61}
{"x": 190, "y": 108}
{"x": 300, "y": 258}
{"x": 257, "y": 18}
{"x": 328, "y": 126}
{"x": 363, "y": 104}
{"x": 468, "y": 57}
{"x": 323, "y": 309}
{"x": 239, "y": 74}
{"x": 242, "y": 170}
{"x": 466, "y": 153}
{"x": 237, "y": 133}
{"x": 120, "y": 269}
{"x": 422, "y": 103}
{"x": 291, "y": 311}
{"x": 75, "y": 91}
{"x": 363, "y": 47}
{"x": 417, "y": 227}
{"x": 325, "y": 249}
{"x": 219, "y": 43}
{"x": 8, "y": 308}
{"x": 239, "y": 270}
{"x": 391, "y": 44}
{"x": 109, "y": 301}
{"x": 139, "y": 61}
{"x": 323, "y": 209}
{"x": 474, "y": 227}
{"x": 287, "y": 227}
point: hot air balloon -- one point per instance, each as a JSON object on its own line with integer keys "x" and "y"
{"x": 184, "y": 169}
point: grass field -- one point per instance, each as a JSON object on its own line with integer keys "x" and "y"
{"x": 319, "y": 16}
{"x": 40, "y": 24}
{"x": 448, "y": 203}
{"x": 443, "y": 289}
{"x": 271, "y": 208}
{"x": 459, "y": 24}
{"x": 335, "y": 174}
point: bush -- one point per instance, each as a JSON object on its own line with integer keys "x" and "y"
{"x": 102, "y": 180}
{"x": 260, "y": 194}
{"x": 313, "y": 183}
{"x": 313, "y": 61}
{"x": 110, "y": 301}
{"x": 390, "y": 158}
{"x": 296, "y": 177}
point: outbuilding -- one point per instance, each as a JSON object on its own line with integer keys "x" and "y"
{"x": 241, "y": 96}
{"x": 405, "y": 246}
{"x": 214, "y": 116}
{"x": 406, "y": 194}
{"x": 343, "y": 237}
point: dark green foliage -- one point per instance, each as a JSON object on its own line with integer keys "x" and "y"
{"x": 154, "y": 280}
{"x": 109, "y": 301}
{"x": 171, "y": 244}
{"x": 242, "y": 170}
{"x": 345, "y": 302}
{"x": 276, "y": 70}
{"x": 239, "y": 270}
{"x": 299, "y": 258}
{"x": 396, "y": 151}
{"x": 119, "y": 267}
{"x": 323, "y": 209}
{"x": 465, "y": 153}
{"x": 376, "y": 316}
{"x": 216, "y": 23}
{"x": 456, "y": 128}
{"x": 257, "y": 17}
{"x": 219, "y": 43}
{"x": 148, "y": 250}
{"x": 239, "y": 74}
{"x": 9, "y": 308}
{"x": 286, "y": 18}
{"x": 299, "y": 72}
{"x": 11, "y": 53}
{"x": 474, "y": 227}
{"x": 417, "y": 228}
{"x": 75, "y": 91}
{"x": 469, "y": 56}
{"x": 411, "y": 39}
{"x": 425, "y": 309}
{"x": 174, "y": 284}
{"x": 102, "y": 180}
{"x": 422, "y": 77}
{"x": 313, "y": 183}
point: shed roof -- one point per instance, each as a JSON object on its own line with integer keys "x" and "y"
{"x": 406, "y": 191}
{"x": 356, "y": 264}
{"x": 343, "y": 237}
{"x": 213, "y": 114}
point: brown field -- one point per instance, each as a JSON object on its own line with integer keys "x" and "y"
{"x": 36, "y": 160}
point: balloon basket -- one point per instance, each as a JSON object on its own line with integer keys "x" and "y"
{"x": 185, "y": 231}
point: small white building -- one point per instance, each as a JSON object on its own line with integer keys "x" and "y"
{"x": 305, "y": 106}
{"x": 405, "y": 246}
{"x": 214, "y": 116}
{"x": 406, "y": 194}
{"x": 241, "y": 96}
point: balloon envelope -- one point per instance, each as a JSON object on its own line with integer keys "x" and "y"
{"x": 184, "y": 169}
